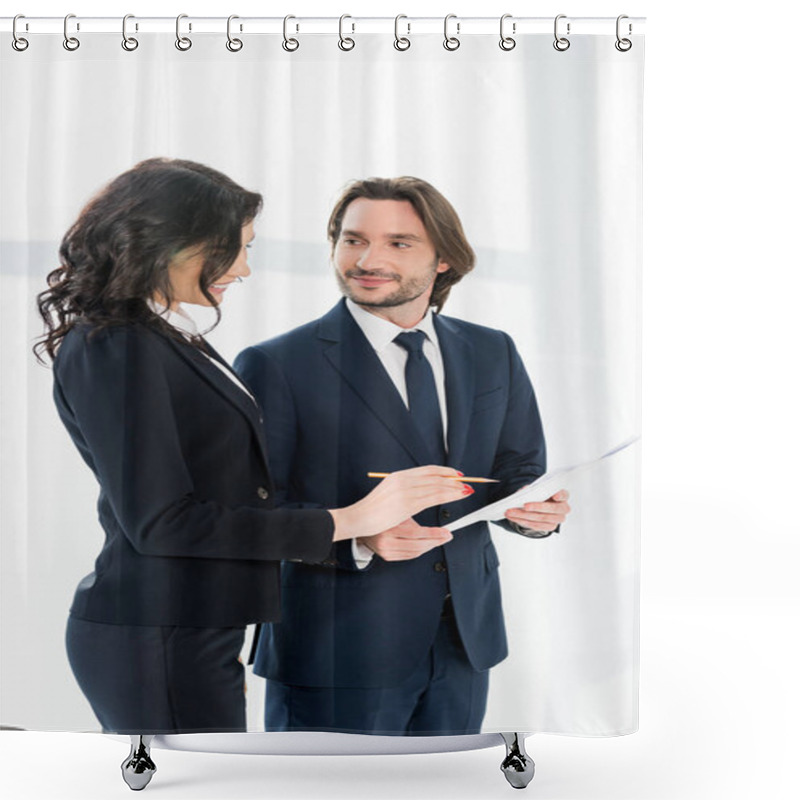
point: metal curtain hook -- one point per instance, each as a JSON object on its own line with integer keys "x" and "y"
{"x": 234, "y": 45}
{"x": 289, "y": 44}
{"x": 623, "y": 45}
{"x": 19, "y": 43}
{"x": 561, "y": 43}
{"x": 182, "y": 42}
{"x": 451, "y": 42}
{"x": 345, "y": 42}
{"x": 401, "y": 42}
{"x": 129, "y": 43}
{"x": 506, "y": 42}
{"x": 70, "y": 42}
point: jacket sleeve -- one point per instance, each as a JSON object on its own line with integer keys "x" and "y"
{"x": 521, "y": 454}
{"x": 116, "y": 391}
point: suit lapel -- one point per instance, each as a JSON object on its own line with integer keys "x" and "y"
{"x": 348, "y": 350}
{"x": 222, "y": 384}
{"x": 459, "y": 381}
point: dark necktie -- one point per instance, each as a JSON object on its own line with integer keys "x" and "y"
{"x": 423, "y": 400}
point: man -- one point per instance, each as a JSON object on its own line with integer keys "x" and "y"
{"x": 394, "y": 633}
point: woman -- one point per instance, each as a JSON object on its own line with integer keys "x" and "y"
{"x": 192, "y": 543}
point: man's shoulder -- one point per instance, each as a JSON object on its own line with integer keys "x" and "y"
{"x": 299, "y": 335}
{"x": 287, "y": 344}
{"x": 471, "y": 330}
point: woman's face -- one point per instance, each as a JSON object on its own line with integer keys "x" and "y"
{"x": 185, "y": 269}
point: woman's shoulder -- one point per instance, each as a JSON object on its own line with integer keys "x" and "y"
{"x": 84, "y": 332}
{"x": 93, "y": 341}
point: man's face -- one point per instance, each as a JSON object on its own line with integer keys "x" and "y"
{"x": 384, "y": 257}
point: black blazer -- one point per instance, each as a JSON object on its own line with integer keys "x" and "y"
{"x": 191, "y": 537}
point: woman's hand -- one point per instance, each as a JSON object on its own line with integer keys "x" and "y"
{"x": 398, "y": 497}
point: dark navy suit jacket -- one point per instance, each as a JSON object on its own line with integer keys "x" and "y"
{"x": 332, "y": 414}
{"x": 186, "y": 498}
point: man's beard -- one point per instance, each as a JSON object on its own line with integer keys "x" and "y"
{"x": 407, "y": 291}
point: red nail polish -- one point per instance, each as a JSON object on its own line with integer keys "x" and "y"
{"x": 460, "y": 473}
{"x": 468, "y": 490}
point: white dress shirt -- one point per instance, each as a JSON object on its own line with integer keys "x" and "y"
{"x": 380, "y": 334}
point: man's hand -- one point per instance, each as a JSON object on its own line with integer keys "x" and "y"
{"x": 546, "y": 516}
{"x": 405, "y": 541}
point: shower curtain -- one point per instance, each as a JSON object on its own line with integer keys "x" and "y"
{"x": 538, "y": 148}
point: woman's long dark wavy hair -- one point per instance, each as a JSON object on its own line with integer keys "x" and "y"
{"x": 115, "y": 257}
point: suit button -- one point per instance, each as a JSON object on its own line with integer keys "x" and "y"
{"x": 439, "y": 566}
{"x": 446, "y": 513}
{"x": 262, "y": 493}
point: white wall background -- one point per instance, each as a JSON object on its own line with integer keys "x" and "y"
{"x": 720, "y": 602}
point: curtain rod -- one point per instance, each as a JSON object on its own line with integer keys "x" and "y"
{"x": 348, "y": 24}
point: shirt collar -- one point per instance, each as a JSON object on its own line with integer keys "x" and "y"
{"x": 381, "y": 332}
{"x": 177, "y": 317}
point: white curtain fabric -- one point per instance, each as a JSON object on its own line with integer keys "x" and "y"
{"x": 540, "y": 153}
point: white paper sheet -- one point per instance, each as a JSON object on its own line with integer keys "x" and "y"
{"x": 541, "y": 489}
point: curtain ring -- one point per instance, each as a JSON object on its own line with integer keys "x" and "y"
{"x": 183, "y": 43}
{"x": 289, "y": 44}
{"x": 129, "y": 43}
{"x": 345, "y": 42}
{"x": 234, "y": 45}
{"x": 70, "y": 42}
{"x": 506, "y": 42}
{"x": 451, "y": 42}
{"x": 19, "y": 43}
{"x": 623, "y": 45}
{"x": 561, "y": 43}
{"x": 401, "y": 42}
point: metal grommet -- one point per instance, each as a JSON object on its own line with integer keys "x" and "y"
{"x": 401, "y": 42}
{"x": 345, "y": 42}
{"x": 19, "y": 43}
{"x": 129, "y": 43}
{"x": 289, "y": 44}
{"x": 451, "y": 42}
{"x": 233, "y": 44}
{"x": 506, "y": 42}
{"x": 182, "y": 42}
{"x": 561, "y": 43}
{"x": 623, "y": 45}
{"x": 70, "y": 42}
